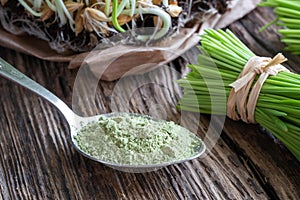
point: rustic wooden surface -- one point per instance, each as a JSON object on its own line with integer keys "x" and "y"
{"x": 37, "y": 161}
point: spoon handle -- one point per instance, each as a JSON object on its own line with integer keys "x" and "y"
{"x": 13, "y": 74}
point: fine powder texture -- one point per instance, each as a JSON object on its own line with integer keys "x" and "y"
{"x": 136, "y": 140}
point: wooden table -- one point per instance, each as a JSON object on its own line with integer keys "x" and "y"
{"x": 39, "y": 162}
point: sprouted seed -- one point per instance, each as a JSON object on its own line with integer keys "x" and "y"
{"x": 81, "y": 25}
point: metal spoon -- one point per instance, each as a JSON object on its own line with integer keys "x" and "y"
{"x": 76, "y": 122}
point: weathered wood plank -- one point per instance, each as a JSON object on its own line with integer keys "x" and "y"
{"x": 37, "y": 161}
{"x": 45, "y": 165}
{"x": 273, "y": 154}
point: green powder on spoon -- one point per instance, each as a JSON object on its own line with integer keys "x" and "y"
{"x": 136, "y": 140}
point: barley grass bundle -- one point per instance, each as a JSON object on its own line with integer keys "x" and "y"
{"x": 277, "y": 108}
{"x": 288, "y": 16}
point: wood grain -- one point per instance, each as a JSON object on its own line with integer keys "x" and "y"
{"x": 39, "y": 162}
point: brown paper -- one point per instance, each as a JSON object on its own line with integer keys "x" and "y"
{"x": 119, "y": 60}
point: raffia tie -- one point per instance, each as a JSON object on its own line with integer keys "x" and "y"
{"x": 241, "y": 101}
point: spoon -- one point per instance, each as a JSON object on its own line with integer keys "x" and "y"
{"x": 76, "y": 122}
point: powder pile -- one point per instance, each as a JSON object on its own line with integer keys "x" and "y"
{"x": 136, "y": 140}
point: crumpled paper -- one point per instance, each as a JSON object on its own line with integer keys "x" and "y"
{"x": 119, "y": 60}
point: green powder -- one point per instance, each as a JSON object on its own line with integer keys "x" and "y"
{"x": 137, "y": 140}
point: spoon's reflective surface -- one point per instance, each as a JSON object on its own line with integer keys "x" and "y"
{"x": 76, "y": 122}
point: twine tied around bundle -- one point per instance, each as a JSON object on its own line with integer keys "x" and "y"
{"x": 242, "y": 99}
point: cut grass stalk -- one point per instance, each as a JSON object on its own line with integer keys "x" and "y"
{"x": 287, "y": 15}
{"x": 222, "y": 59}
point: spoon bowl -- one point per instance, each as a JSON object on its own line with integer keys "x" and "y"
{"x": 198, "y": 149}
{"x": 76, "y": 123}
